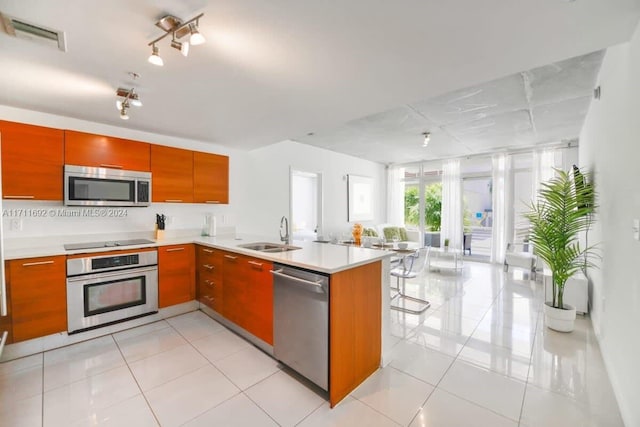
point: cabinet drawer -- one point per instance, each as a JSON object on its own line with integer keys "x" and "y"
{"x": 176, "y": 275}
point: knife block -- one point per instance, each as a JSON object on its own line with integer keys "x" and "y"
{"x": 159, "y": 234}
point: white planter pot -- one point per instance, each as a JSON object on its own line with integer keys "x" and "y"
{"x": 561, "y": 320}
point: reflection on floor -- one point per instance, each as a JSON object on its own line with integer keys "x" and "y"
{"x": 480, "y": 356}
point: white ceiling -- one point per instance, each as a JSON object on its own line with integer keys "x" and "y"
{"x": 545, "y": 105}
{"x": 275, "y": 70}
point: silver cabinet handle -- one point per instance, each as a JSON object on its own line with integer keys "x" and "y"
{"x": 209, "y": 251}
{"x": 209, "y": 266}
{"x": 6, "y": 196}
{"x": 212, "y": 201}
{"x": 231, "y": 257}
{"x": 174, "y": 249}
{"x": 107, "y": 165}
{"x": 173, "y": 200}
{"x": 31, "y": 264}
{"x": 254, "y": 263}
{"x": 311, "y": 286}
{"x": 207, "y": 297}
{"x": 209, "y": 283}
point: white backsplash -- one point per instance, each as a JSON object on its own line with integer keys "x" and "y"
{"x": 30, "y": 219}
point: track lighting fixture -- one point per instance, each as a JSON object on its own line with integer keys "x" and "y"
{"x": 427, "y": 138}
{"x": 129, "y": 98}
{"x": 174, "y": 26}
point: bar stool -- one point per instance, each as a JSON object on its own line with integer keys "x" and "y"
{"x": 410, "y": 267}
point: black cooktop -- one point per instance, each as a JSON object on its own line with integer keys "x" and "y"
{"x": 107, "y": 244}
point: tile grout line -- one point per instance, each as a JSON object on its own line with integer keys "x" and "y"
{"x": 144, "y": 396}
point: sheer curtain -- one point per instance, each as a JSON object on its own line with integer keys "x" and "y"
{"x": 502, "y": 198}
{"x": 451, "y": 224}
{"x": 543, "y": 164}
{"x": 395, "y": 195}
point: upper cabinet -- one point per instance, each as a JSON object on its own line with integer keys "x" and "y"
{"x": 210, "y": 178}
{"x": 172, "y": 170}
{"x": 85, "y": 149}
{"x": 32, "y": 159}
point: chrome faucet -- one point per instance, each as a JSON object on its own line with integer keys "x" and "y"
{"x": 284, "y": 221}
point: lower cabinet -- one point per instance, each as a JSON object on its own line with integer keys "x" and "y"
{"x": 176, "y": 274}
{"x": 239, "y": 288}
{"x": 260, "y": 299}
{"x": 38, "y": 296}
{"x": 209, "y": 278}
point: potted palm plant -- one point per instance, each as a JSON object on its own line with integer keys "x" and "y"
{"x": 558, "y": 218}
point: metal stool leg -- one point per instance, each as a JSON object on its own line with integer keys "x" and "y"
{"x": 401, "y": 294}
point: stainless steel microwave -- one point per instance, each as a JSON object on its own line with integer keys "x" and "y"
{"x": 89, "y": 186}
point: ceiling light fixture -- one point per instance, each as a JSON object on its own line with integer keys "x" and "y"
{"x": 129, "y": 98}
{"x": 174, "y": 26}
{"x": 427, "y": 138}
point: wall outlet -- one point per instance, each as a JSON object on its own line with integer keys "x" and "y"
{"x": 15, "y": 224}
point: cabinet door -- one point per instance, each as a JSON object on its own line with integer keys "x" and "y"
{"x": 235, "y": 289}
{"x": 38, "y": 296}
{"x": 210, "y": 283}
{"x": 210, "y": 178}
{"x": 172, "y": 170}
{"x": 259, "y": 309}
{"x": 176, "y": 275}
{"x": 86, "y": 149}
{"x": 32, "y": 160}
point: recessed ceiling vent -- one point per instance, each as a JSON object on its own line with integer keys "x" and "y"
{"x": 25, "y": 30}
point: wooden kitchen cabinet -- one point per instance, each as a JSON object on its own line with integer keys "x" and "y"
{"x": 172, "y": 170}
{"x": 86, "y": 149}
{"x": 235, "y": 289}
{"x": 248, "y": 294}
{"x": 259, "y": 309}
{"x": 210, "y": 178}
{"x": 209, "y": 278}
{"x": 355, "y": 332}
{"x": 32, "y": 161}
{"x": 38, "y": 296}
{"x": 176, "y": 274}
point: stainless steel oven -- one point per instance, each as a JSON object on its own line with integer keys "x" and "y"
{"x": 107, "y": 289}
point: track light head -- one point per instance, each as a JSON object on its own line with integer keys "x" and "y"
{"x": 155, "y": 59}
{"x": 183, "y": 47}
{"x": 196, "y": 38}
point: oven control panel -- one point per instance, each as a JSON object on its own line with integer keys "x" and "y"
{"x": 114, "y": 261}
{"x": 103, "y": 263}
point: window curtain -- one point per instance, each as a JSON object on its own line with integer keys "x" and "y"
{"x": 395, "y": 199}
{"x": 543, "y": 164}
{"x": 502, "y": 198}
{"x": 451, "y": 224}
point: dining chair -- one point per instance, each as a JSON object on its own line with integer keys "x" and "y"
{"x": 409, "y": 268}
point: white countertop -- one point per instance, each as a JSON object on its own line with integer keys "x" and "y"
{"x": 323, "y": 257}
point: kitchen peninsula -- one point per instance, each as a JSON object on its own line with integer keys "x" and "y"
{"x": 358, "y": 294}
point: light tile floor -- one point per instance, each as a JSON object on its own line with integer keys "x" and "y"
{"x": 480, "y": 356}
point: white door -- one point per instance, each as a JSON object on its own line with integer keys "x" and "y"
{"x": 306, "y": 205}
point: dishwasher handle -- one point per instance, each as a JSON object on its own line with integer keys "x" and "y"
{"x": 307, "y": 284}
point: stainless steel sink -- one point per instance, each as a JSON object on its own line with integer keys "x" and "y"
{"x": 268, "y": 247}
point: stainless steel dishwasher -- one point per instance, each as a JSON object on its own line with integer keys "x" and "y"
{"x": 301, "y": 322}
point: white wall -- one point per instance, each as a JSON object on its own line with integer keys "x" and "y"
{"x": 609, "y": 144}
{"x": 269, "y": 185}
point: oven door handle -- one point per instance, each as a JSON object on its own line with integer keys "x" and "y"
{"x": 98, "y": 277}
